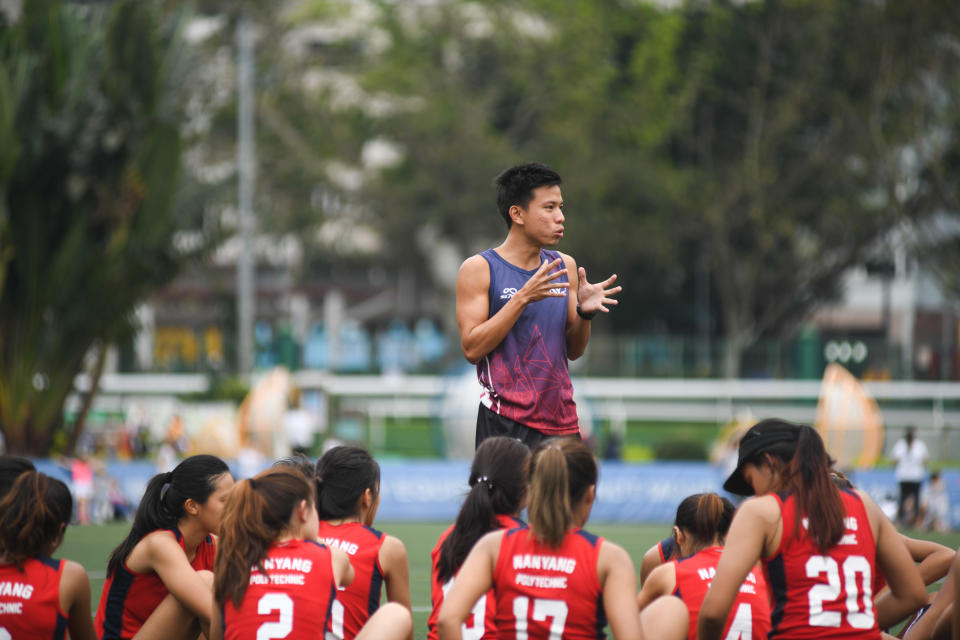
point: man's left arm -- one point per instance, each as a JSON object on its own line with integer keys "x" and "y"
{"x": 592, "y": 298}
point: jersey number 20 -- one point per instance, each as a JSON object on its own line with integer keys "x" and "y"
{"x": 858, "y": 616}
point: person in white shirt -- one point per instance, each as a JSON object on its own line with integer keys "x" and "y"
{"x": 911, "y": 456}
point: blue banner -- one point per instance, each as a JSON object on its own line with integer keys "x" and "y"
{"x": 433, "y": 490}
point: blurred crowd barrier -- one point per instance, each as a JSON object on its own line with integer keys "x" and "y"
{"x": 423, "y": 491}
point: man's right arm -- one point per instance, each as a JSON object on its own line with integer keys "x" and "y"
{"x": 480, "y": 334}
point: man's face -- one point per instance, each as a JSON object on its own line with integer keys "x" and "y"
{"x": 542, "y": 219}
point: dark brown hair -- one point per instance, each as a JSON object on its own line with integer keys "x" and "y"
{"x": 498, "y": 480}
{"x": 33, "y": 516}
{"x": 561, "y": 471}
{"x": 161, "y": 506}
{"x": 343, "y": 474}
{"x": 804, "y": 469}
{"x": 256, "y": 513}
{"x": 704, "y": 516}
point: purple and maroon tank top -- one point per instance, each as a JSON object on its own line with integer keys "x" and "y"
{"x": 525, "y": 378}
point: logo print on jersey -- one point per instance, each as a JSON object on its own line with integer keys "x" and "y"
{"x": 508, "y": 292}
{"x": 519, "y": 378}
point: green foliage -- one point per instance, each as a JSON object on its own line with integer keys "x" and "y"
{"x": 90, "y": 179}
{"x": 680, "y": 449}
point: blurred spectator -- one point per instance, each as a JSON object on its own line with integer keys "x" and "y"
{"x": 81, "y": 474}
{"x": 300, "y": 426}
{"x": 935, "y": 504}
{"x": 911, "y": 456}
{"x": 173, "y": 447}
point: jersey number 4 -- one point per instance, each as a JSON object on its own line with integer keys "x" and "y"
{"x": 859, "y": 599}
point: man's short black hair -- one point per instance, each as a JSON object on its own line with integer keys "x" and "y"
{"x": 515, "y": 186}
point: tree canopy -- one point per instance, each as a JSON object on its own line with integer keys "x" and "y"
{"x": 96, "y": 213}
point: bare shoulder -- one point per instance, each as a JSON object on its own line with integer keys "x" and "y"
{"x": 612, "y": 552}
{"x": 473, "y": 278}
{"x": 75, "y": 573}
{"x": 490, "y": 542}
{"x": 764, "y": 509}
{"x": 568, "y": 261}
{"x": 474, "y": 266}
{"x": 393, "y": 546}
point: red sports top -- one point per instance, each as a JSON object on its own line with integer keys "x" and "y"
{"x": 129, "y": 597}
{"x": 292, "y": 601}
{"x": 480, "y": 624}
{"x": 824, "y": 595}
{"x": 355, "y": 604}
{"x": 30, "y": 600}
{"x": 667, "y": 549}
{"x": 750, "y": 615}
{"x": 544, "y": 592}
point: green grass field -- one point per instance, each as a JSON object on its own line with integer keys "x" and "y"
{"x": 91, "y": 545}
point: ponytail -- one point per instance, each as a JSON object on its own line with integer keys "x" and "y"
{"x": 498, "y": 482}
{"x": 257, "y": 512}
{"x": 561, "y": 471}
{"x": 33, "y": 516}
{"x": 808, "y": 478}
{"x": 161, "y": 506}
{"x": 704, "y": 517}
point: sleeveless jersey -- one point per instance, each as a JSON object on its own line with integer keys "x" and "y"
{"x": 749, "y": 617}
{"x": 525, "y": 378}
{"x": 30, "y": 600}
{"x": 129, "y": 597}
{"x": 667, "y": 549}
{"x": 355, "y": 604}
{"x": 818, "y": 595}
{"x": 292, "y": 601}
{"x": 544, "y": 592}
{"x": 480, "y": 624}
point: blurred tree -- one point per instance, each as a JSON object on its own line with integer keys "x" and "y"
{"x": 798, "y": 117}
{"x": 767, "y": 146}
{"x": 96, "y": 213}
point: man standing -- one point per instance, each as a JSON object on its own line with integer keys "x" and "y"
{"x": 911, "y": 456}
{"x": 521, "y": 317}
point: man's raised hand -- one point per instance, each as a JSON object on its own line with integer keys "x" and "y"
{"x": 542, "y": 284}
{"x": 596, "y": 297}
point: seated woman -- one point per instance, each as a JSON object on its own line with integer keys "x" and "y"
{"x": 159, "y": 579}
{"x": 820, "y": 546}
{"x": 702, "y": 522}
{"x": 555, "y": 580}
{"x": 48, "y": 597}
{"x": 273, "y": 579}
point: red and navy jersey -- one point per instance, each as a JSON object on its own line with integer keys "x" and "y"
{"x": 129, "y": 597}
{"x": 355, "y": 604}
{"x": 480, "y": 624}
{"x": 750, "y": 615}
{"x": 30, "y": 600}
{"x": 824, "y": 594}
{"x": 293, "y": 600}
{"x": 667, "y": 549}
{"x": 548, "y": 592}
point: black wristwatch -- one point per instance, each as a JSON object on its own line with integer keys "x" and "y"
{"x": 583, "y": 314}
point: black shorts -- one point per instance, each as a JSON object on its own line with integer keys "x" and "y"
{"x": 490, "y": 423}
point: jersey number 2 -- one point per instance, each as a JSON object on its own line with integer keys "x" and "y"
{"x": 857, "y": 617}
{"x": 281, "y": 628}
{"x": 542, "y": 609}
